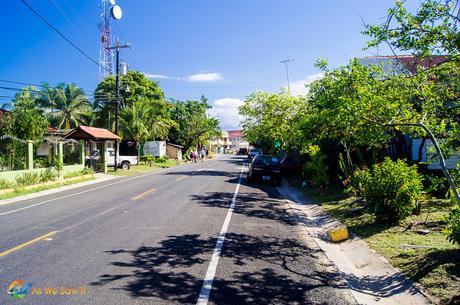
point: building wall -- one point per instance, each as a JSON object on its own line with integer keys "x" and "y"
{"x": 427, "y": 155}
{"x": 173, "y": 152}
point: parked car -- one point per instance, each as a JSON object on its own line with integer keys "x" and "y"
{"x": 265, "y": 168}
{"x": 252, "y": 153}
{"x": 124, "y": 162}
{"x": 243, "y": 151}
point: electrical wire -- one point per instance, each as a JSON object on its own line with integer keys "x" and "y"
{"x": 62, "y": 35}
{"x": 66, "y": 17}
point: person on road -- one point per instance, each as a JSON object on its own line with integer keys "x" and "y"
{"x": 194, "y": 155}
{"x": 202, "y": 154}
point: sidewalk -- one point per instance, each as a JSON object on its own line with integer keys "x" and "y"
{"x": 99, "y": 178}
{"x": 369, "y": 276}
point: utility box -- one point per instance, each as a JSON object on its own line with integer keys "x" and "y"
{"x": 155, "y": 148}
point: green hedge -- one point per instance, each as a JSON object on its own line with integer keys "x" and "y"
{"x": 391, "y": 189}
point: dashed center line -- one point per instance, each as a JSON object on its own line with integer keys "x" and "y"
{"x": 30, "y": 242}
{"x": 180, "y": 178}
{"x": 137, "y": 197}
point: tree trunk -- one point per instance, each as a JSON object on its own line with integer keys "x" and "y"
{"x": 442, "y": 163}
{"x": 442, "y": 160}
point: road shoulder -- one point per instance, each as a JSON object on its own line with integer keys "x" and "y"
{"x": 369, "y": 276}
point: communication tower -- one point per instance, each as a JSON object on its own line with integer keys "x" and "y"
{"x": 109, "y": 10}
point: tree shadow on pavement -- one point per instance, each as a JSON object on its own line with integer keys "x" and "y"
{"x": 161, "y": 271}
{"x": 201, "y": 173}
{"x": 269, "y": 270}
{"x": 254, "y": 204}
{"x": 381, "y": 286}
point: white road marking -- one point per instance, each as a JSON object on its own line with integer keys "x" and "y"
{"x": 78, "y": 193}
{"x": 203, "y": 298}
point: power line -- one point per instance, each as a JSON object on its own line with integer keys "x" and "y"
{"x": 60, "y": 34}
{"x": 41, "y": 86}
{"x": 66, "y": 17}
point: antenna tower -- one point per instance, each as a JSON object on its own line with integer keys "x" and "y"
{"x": 105, "y": 54}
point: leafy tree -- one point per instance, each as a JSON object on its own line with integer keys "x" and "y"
{"x": 193, "y": 124}
{"x": 134, "y": 86}
{"x": 141, "y": 121}
{"x": 25, "y": 122}
{"x": 360, "y": 106}
{"x": 271, "y": 118}
{"x": 67, "y": 105}
{"x": 433, "y": 29}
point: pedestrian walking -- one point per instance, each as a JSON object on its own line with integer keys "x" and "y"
{"x": 202, "y": 154}
{"x": 194, "y": 155}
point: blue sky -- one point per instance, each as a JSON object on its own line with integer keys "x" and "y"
{"x": 222, "y": 49}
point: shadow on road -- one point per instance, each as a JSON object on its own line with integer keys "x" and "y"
{"x": 264, "y": 205}
{"x": 202, "y": 173}
{"x": 166, "y": 271}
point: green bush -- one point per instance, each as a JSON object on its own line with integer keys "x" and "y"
{"x": 436, "y": 185}
{"x": 28, "y": 178}
{"x": 5, "y": 184}
{"x": 355, "y": 183}
{"x": 161, "y": 160}
{"x": 87, "y": 171}
{"x": 48, "y": 175}
{"x": 72, "y": 174}
{"x": 316, "y": 168}
{"x": 453, "y": 226}
{"x": 391, "y": 189}
{"x": 147, "y": 159}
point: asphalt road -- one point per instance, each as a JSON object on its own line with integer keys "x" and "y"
{"x": 151, "y": 239}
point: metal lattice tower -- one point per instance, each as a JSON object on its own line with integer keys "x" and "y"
{"x": 105, "y": 54}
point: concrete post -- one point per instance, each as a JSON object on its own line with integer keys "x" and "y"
{"x": 82, "y": 152}
{"x": 61, "y": 152}
{"x": 30, "y": 155}
{"x": 60, "y": 157}
{"x": 104, "y": 157}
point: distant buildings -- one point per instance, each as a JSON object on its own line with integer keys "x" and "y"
{"x": 229, "y": 141}
{"x": 237, "y": 139}
{"x": 402, "y": 64}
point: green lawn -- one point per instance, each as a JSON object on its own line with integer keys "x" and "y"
{"x": 436, "y": 268}
{"x": 144, "y": 168}
{"x": 39, "y": 188}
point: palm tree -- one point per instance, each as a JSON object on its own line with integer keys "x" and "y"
{"x": 68, "y": 106}
{"x": 133, "y": 124}
{"x": 145, "y": 120}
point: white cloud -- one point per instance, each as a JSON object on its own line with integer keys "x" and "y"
{"x": 156, "y": 76}
{"x": 226, "y": 110}
{"x": 298, "y": 87}
{"x": 204, "y": 77}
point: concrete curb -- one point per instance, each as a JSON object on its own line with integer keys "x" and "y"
{"x": 370, "y": 278}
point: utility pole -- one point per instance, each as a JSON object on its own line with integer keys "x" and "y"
{"x": 286, "y": 62}
{"x": 117, "y": 48}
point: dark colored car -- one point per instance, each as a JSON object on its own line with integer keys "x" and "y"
{"x": 252, "y": 153}
{"x": 243, "y": 151}
{"x": 265, "y": 168}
